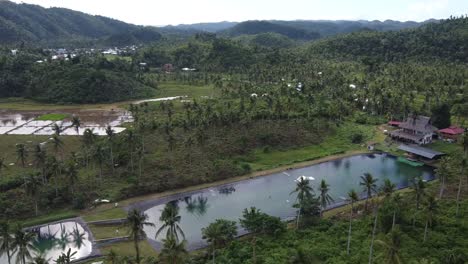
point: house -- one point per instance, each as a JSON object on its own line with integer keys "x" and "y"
{"x": 168, "y": 67}
{"x": 452, "y": 132}
{"x": 394, "y": 123}
{"x": 416, "y": 129}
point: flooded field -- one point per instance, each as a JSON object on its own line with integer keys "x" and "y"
{"x": 24, "y": 122}
{"x": 21, "y": 122}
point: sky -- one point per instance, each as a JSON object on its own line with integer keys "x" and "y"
{"x": 174, "y": 12}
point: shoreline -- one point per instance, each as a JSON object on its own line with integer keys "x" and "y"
{"x": 131, "y": 202}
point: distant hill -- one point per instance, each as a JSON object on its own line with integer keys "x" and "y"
{"x": 444, "y": 40}
{"x": 207, "y": 27}
{"x": 258, "y": 27}
{"x": 32, "y": 23}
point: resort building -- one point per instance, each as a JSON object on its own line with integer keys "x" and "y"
{"x": 452, "y": 132}
{"x": 416, "y": 129}
{"x": 414, "y": 153}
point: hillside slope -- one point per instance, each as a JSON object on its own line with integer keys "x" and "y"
{"x": 28, "y": 23}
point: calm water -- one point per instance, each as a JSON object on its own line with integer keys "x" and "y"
{"x": 271, "y": 194}
{"x": 54, "y": 239}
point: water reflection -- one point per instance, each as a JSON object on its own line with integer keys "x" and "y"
{"x": 227, "y": 190}
{"x": 197, "y": 206}
{"x": 53, "y": 240}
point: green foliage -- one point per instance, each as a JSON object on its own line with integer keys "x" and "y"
{"x": 52, "y": 117}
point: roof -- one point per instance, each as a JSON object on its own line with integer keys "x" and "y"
{"x": 394, "y": 123}
{"x": 419, "y": 123}
{"x": 402, "y": 134}
{"x": 421, "y": 151}
{"x": 453, "y": 130}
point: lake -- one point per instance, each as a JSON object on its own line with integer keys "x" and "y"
{"x": 271, "y": 194}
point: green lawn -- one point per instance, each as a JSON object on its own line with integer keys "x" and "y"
{"x": 110, "y": 231}
{"x": 445, "y": 147}
{"x": 111, "y": 57}
{"x": 53, "y": 117}
{"x": 106, "y": 214}
{"x": 127, "y": 249}
{"x": 169, "y": 89}
{"x": 50, "y": 217}
{"x": 338, "y": 143}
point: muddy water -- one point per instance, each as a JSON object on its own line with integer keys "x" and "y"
{"x": 18, "y": 122}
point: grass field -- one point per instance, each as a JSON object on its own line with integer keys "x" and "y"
{"x": 338, "y": 143}
{"x": 52, "y": 117}
{"x": 194, "y": 91}
{"x": 127, "y": 249}
{"x": 105, "y": 214}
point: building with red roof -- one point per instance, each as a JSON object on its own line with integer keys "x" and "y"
{"x": 451, "y": 132}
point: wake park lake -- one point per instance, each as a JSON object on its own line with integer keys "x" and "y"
{"x": 271, "y": 193}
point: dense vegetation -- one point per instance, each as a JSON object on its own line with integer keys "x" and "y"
{"x": 262, "y": 100}
{"x": 81, "y": 79}
{"x": 24, "y": 23}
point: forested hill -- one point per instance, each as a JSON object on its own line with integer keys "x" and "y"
{"x": 447, "y": 40}
{"x": 258, "y": 27}
{"x": 32, "y": 23}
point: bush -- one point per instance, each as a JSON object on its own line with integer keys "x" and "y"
{"x": 357, "y": 138}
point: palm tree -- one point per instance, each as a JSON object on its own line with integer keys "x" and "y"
{"x": 99, "y": 157}
{"x": 112, "y": 257}
{"x": 39, "y": 260}
{"x": 6, "y": 240}
{"x": 136, "y": 222}
{"x": 396, "y": 201}
{"x": 76, "y": 123}
{"x": 140, "y": 155}
{"x": 72, "y": 175}
{"x": 89, "y": 138}
{"x": 23, "y": 244}
{"x": 392, "y": 246}
{"x": 31, "y": 186}
{"x": 57, "y": 129}
{"x": 58, "y": 145}
{"x": 219, "y": 233}
{"x": 170, "y": 218}
{"x": 110, "y": 139}
{"x": 370, "y": 186}
{"x": 40, "y": 157}
{"x": 2, "y": 165}
{"x": 388, "y": 188}
{"x": 173, "y": 252}
{"x": 352, "y": 197}
{"x": 21, "y": 153}
{"x": 304, "y": 192}
{"x": 419, "y": 187}
{"x": 325, "y": 198}
{"x": 130, "y": 139}
{"x": 463, "y": 166}
{"x": 430, "y": 210}
{"x": 66, "y": 258}
{"x": 443, "y": 172}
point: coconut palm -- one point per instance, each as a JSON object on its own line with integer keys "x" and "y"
{"x": 89, "y": 139}
{"x": 57, "y": 144}
{"x": 110, "y": 140}
{"x": 40, "y": 157}
{"x": 112, "y": 257}
{"x": 99, "y": 157}
{"x": 219, "y": 233}
{"x": 66, "y": 258}
{"x": 21, "y": 153}
{"x": 352, "y": 197}
{"x": 31, "y": 186}
{"x": 72, "y": 175}
{"x": 136, "y": 222}
{"x": 443, "y": 172}
{"x": 6, "y": 241}
{"x": 370, "y": 186}
{"x": 57, "y": 129}
{"x": 419, "y": 187}
{"x": 304, "y": 192}
{"x": 173, "y": 252}
{"x": 23, "y": 244}
{"x": 430, "y": 210}
{"x": 391, "y": 246}
{"x": 388, "y": 188}
{"x": 39, "y": 260}
{"x": 324, "y": 196}
{"x": 2, "y": 165}
{"x": 396, "y": 201}
{"x": 463, "y": 166}
{"x": 76, "y": 123}
{"x": 170, "y": 218}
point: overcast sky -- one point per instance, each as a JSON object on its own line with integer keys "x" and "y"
{"x": 164, "y": 12}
